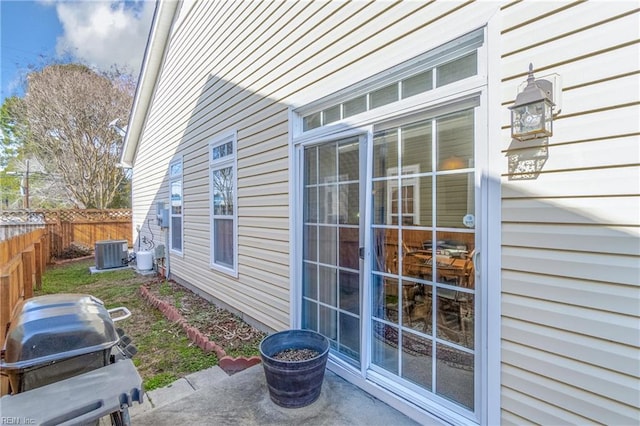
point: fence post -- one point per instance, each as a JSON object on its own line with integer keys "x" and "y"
{"x": 47, "y": 244}
{"x": 59, "y": 244}
{"x": 5, "y": 312}
{"x": 39, "y": 266}
{"x": 4, "y": 385}
{"x": 5, "y": 304}
{"x": 28, "y": 270}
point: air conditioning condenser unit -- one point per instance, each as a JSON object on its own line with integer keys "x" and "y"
{"x": 111, "y": 254}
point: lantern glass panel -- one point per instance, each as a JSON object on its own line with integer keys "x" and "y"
{"x": 531, "y": 120}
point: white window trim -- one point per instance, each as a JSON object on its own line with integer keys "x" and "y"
{"x": 450, "y": 50}
{"x": 486, "y": 87}
{"x": 368, "y": 378}
{"x": 172, "y": 179}
{"x": 492, "y": 222}
{"x": 231, "y": 160}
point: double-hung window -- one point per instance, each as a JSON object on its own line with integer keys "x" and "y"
{"x": 223, "y": 178}
{"x": 175, "y": 193}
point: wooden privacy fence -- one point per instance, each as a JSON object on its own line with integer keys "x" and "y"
{"x": 22, "y": 261}
{"x": 86, "y": 227}
{"x": 29, "y": 239}
{"x": 83, "y": 227}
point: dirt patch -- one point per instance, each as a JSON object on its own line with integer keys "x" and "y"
{"x": 231, "y": 333}
{"x": 75, "y": 251}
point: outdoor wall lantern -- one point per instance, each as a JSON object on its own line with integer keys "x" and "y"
{"x": 532, "y": 112}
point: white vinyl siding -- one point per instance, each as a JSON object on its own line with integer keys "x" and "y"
{"x": 248, "y": 62}
{"x": 571, "y": 251}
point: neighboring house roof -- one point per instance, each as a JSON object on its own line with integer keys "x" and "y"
{"x": 151, "y": 66}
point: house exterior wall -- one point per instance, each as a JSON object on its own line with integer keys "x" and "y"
{"x": 225, "y": 70}
{"x": 570, "y": 252}
{"x": 570, "y": 235}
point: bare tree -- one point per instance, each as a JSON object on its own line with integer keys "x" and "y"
{"x": 68, "y": 110}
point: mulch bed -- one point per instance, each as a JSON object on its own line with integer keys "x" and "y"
{"x": 211, "y": 328}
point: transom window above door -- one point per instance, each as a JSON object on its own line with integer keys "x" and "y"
{"x": 452, "y": 62}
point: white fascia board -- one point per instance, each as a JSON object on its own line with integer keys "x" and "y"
{"x": 151, "y": 66}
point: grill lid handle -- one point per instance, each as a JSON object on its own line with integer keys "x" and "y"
{"x": 125, "y": 313}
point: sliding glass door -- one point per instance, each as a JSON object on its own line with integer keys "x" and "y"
{"x": 410, "y": 317}
{"x": 422, "y": 328}
{"x": 332, "y": 237}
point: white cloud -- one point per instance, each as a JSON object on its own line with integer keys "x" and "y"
{"x": 104, "y": 33}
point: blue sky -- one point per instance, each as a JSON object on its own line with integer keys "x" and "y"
{"x": 98, "y": 33}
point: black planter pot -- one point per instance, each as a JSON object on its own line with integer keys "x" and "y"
{"x": 294, "y": 384}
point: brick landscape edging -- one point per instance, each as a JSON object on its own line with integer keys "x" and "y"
{"x": 229, "y": 364}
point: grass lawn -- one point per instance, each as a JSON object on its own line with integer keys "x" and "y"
{"x": 164, "y": 351}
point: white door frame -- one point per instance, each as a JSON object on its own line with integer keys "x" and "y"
{"x": 363, "y": 376}
{"x": 486, "y": 87}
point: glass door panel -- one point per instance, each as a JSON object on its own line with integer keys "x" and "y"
{"x": 331, "y": 242}
{"x": 422, "y": 326}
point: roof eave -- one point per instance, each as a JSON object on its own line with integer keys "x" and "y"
{"x": 151, "y": 66}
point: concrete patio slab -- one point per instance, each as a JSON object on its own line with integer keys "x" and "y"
{"x": 178, "y": 389}
{"x": 243, "y": 399}
{"x": 206, "y": 378}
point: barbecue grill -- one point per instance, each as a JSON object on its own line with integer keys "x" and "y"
{"x": 67, "y": 362}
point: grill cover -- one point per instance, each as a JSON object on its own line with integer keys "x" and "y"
{"x": 51, "y": 328}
